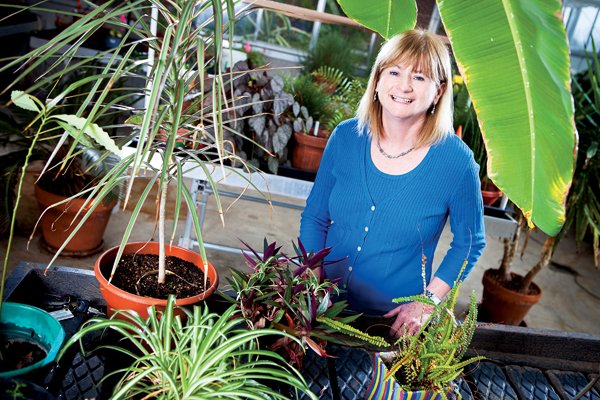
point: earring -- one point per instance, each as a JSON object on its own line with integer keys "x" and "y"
{"x": 375, "y": 97}
{"x": 433, "y": 109}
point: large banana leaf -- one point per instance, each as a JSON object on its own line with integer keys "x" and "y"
{"x": 386, "y": 17}
{"x": 514, "y": 57}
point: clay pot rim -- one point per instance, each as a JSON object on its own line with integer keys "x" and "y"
{"x": 75, "y": 204}
{"x": 303, "y": 137}
{"x": 488, "y": 276}
{"x": 143, "y": 249}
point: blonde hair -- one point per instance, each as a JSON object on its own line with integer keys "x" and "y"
{"x": 427, "y": 53}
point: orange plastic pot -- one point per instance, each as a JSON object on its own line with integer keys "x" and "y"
{"x": 504, "y": 306}
{"x": 308, "y": 151}
{"x": 58, "y": 222}
{"x": 118, "y": 299}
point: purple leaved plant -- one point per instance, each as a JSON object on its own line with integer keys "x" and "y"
{"x": 285, "y": 293}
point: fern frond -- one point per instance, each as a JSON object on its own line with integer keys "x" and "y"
{"x": 353, "y": 332}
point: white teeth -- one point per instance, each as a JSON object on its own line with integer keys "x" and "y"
{"x": 403, "y": 100}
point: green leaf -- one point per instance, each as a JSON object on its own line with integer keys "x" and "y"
{"x": 514, "y": 59}
{"x": 92, "y": 130}
{"x": 73, "y": 131}
{"x": 386, "y": 17}
{"x": 24, "y": 100}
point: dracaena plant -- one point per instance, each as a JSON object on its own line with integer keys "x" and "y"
{"x": 201, "y": 355}
{"x": 176, "y": 59}
{"x": 285, "y": 293}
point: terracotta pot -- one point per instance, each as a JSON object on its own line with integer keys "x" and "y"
{"x": 58, "y": 222}
{"x": 308, "y": 152}
{"x": 381, "y": 388}
{"x": 490, "y": 193}
{"x": 505, "y": 306}
{"x": 118, "y": 299}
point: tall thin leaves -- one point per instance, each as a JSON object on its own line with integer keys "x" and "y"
{"x": 191, "y": 354}
{"x": 155, "y": 127}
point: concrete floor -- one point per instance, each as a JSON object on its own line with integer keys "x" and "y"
{"x": 570, "y": 302}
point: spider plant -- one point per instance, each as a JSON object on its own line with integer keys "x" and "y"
{"x": 201, "y": 356}
{"x": 286, "y": 293}
{"x": 176, "y": 58}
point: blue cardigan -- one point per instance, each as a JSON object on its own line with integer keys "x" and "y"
{"x": 381, "y": 225}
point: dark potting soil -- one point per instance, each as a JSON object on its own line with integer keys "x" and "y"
{"x": 514, "y": 284}
{"x": 138, "y": 273}
{"x": 19, "y": 353}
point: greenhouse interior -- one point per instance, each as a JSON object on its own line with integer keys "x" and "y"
{"x": 300, "y": 199}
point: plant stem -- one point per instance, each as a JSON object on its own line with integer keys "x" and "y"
{"x": 510, "y": 249}
{"x": 545, "y": 257}
{"x": 14, "y": 215}
{"x": 161, "y": 230}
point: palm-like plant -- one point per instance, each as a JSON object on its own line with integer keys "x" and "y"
{"x": 583, "y": 199}
{"x": 176, "y": 58}
{"x": 203, "y": 355}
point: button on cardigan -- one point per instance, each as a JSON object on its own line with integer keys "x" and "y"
{"x": 380, "y": 226}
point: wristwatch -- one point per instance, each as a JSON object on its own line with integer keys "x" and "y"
{"x": 433, "y": 297}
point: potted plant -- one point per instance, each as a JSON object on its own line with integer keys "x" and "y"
{"x": 423, "y": 365}
{"x": 203, "y": 355}
{"x": 31, "y": 339}
{"x": 507, "y": 296}
{"x": 262, "y": 105}
{"x": 326, "y": 96}
{"x": 64, "y": 179}
{"x": 175, "y": 59}
{"x": 286, "y": 294}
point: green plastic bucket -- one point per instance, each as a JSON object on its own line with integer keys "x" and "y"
{"x": 47, "y": 332}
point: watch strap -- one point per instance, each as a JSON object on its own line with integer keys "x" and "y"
{"x": 433, "y": 297}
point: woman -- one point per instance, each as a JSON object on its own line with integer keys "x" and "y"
{"x": 389, "y": 180}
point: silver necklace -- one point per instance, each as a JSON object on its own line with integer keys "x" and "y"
{"x": 383, "y": 153}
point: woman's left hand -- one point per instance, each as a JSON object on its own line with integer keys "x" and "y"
{"x": 409, "y": 316}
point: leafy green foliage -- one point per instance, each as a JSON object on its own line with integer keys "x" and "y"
{"x": 583, "y": 202}
{"x": 522, "y": 97}
{"x": 328, "y": 51}
{"x": 284, "y": 293}
{"x": 329, "y": 95}
{"x": 433, "y": 357}
{"x": 465, "y": 118}
{"x": 331, "y": 79}
{"x": 399, "y": 15}
{"x": 199, "y": 355}
{"x": 255, "y": 59}
{"x": 278, "y": 29}
{"x": 312, "y": 96}
{"x": 263, "y": 111}
{"x": 165, "y": 80}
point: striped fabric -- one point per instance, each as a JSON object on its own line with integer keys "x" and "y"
{"x": 388, "y": 389}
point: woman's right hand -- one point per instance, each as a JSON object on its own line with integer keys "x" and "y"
{"x": 409, "y": 318}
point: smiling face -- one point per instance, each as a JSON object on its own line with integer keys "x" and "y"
{"x": 406, "y": 95}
